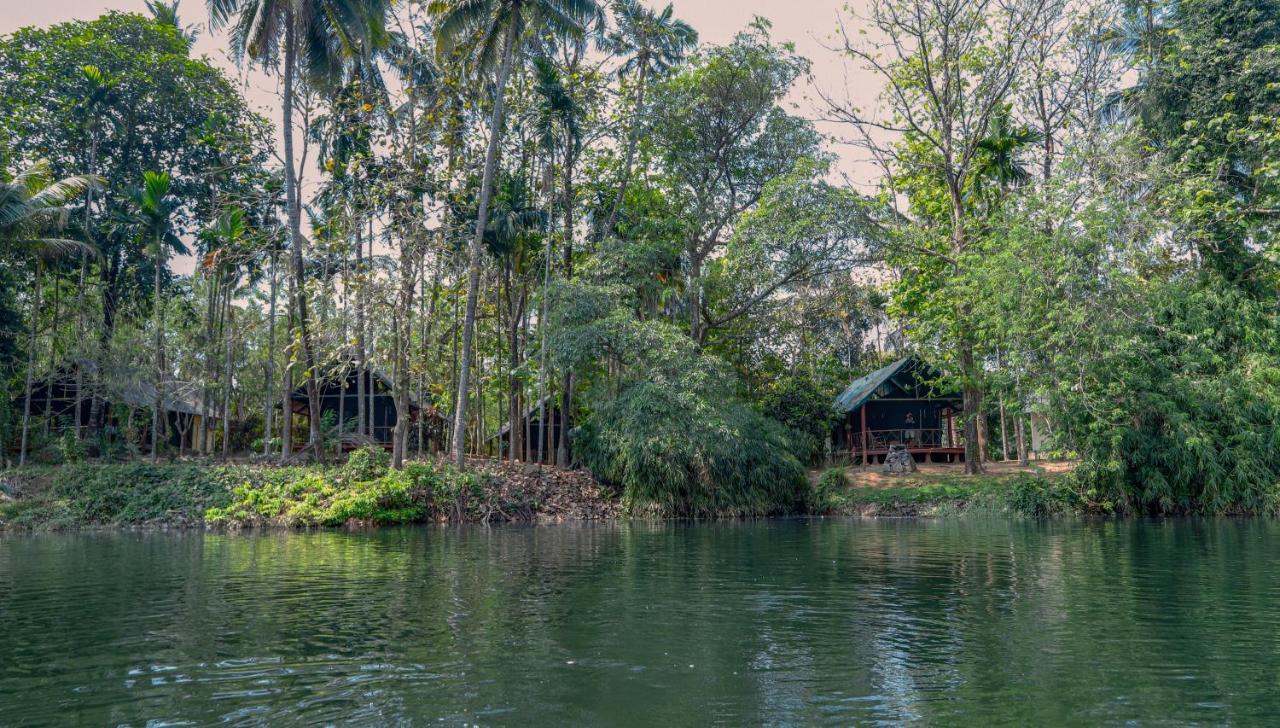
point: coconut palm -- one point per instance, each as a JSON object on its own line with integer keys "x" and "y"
{"x": 33, "y": 209}
{"x": 652, "y": 43}
{"x": 320, "y": 38}
{"x": 153, "y": 218}
{"x": 492, "y": 30}
{"x": 232, "y": 249}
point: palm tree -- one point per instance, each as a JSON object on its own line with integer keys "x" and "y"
{"x": 322, "y": 34}
{"x": 492, "y": 28}
{"x": 653, "y": 42}
{"x": 167, "y": 14}
{"x": 153, "y": 216}
{"x": 32, "y": 208}
{"x": 999, "y": 153}
{"x": 232, "y": 248}
{"x": 92, "y": 111}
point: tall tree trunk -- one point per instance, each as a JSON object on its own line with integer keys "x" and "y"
{"x": 370, "y": 389}
{"x": 972, "y": 404}
{"x": 31, "y": 364}
{"x": 158, "y": 419}
{"x": 81, "y": 336}
{"x": 109, "y": 274}
{"x": 633, "y": 137}
{"x": 476, "y": 249}
{"x": 361, "y": 359}
{"x": 267, "y": 404}
{"x": 403, "y": 321}
{"x": 81, "y": 327}
{"x": 984, "y": 438}
{"x": 53, "y": 352}
{"x": 211, "y": 368}
{"x": 286, "y": 406}
{"x": 563, "y": 447}
{"x": 515, "y": 429}
{"x": 695, "y": 294}
{"x": 543, "y": 445}
{"x": 293, "y": 198}
{"x": 1004, "y": 434}
{"x": 229, "y": 335}
{"x": 428, "y": 325}
{"x": 1020, "y": 427}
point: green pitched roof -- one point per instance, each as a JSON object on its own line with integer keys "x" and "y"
{"x": 861, "y": 389}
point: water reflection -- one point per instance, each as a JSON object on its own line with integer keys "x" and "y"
{"x": 766, "y": 622}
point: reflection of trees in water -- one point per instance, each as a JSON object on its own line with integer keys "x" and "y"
{"x": 755, "y": 622}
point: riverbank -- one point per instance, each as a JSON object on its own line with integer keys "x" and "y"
{"x": 1038, "y": 490}
{"x": 364, "y": 492}
{"x": 360, "y": 493}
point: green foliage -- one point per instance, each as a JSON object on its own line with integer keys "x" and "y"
{"x": 73, "y": 449}
{"x": 1185, "y": 414}
{"x": 1208, "y": 110}
{"x": 670, "y": 430}
{"x": 800, "y": 399}
{"x": 1164, "y": 377}
{"x": 680, "y": 452}
{"x": 830, "y": 487}
{"x": 1039, "y": 497}
{"x": 1022, "y": 494}
{"x": 368, "y": 463}
{"x": 120, "y": 495}
{"x": 316, "y": 497}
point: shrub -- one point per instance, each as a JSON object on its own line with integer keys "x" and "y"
{"x": 368, "y": 462}
{"x": 678, "y": 452}
{"x": 73, "y": 450}
{"x": 831, "y": 484}
{"x": 1038, "y": 497}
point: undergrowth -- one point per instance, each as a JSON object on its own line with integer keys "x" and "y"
{"x": 1022, "y": 494}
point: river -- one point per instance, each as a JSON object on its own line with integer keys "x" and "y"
{"x": 773, "y": 622}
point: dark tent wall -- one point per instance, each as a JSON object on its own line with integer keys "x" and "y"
{"x": 879, "y": 404}
{"x": 342, "y": 398}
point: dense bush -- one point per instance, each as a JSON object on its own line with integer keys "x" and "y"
{"x": 368, "y": 462}
{"x": 679, "y": 451}
{"x": 327, "y": 498}
{"x": 665, "y": 423}
{"x": 130, "y": 494}
{"x": 831, "y": 485}
{"x": 1185, "y": 415}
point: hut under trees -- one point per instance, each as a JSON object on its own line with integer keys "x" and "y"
{"x": 340, "y": 402}
{"x": 70, "y": 396}
{"x": 898, "y": 404}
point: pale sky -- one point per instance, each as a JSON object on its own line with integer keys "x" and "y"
{"x": 809, "y": 24}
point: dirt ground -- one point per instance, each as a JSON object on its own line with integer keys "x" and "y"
{"x": 871, "y": 477}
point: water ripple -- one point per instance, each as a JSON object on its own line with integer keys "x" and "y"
{"x": 776, "y": 622}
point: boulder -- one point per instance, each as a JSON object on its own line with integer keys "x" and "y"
{"x": 898, "y": 461}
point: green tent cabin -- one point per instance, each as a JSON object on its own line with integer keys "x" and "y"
{"x": 121, "y": 396}
{"x": 339, "y": 394}
{"x": 898, "y": 405}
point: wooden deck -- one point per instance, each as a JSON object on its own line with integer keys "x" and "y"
{"x": 925, "y": 446}
{"x": 926, "y": 454}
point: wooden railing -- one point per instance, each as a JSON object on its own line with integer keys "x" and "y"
{"x": 913, "y": 438}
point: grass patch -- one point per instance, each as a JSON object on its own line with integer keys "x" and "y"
{"x": 1025, "y": 494}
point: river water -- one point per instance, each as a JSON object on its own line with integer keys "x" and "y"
{"x": 775, "y": 622}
